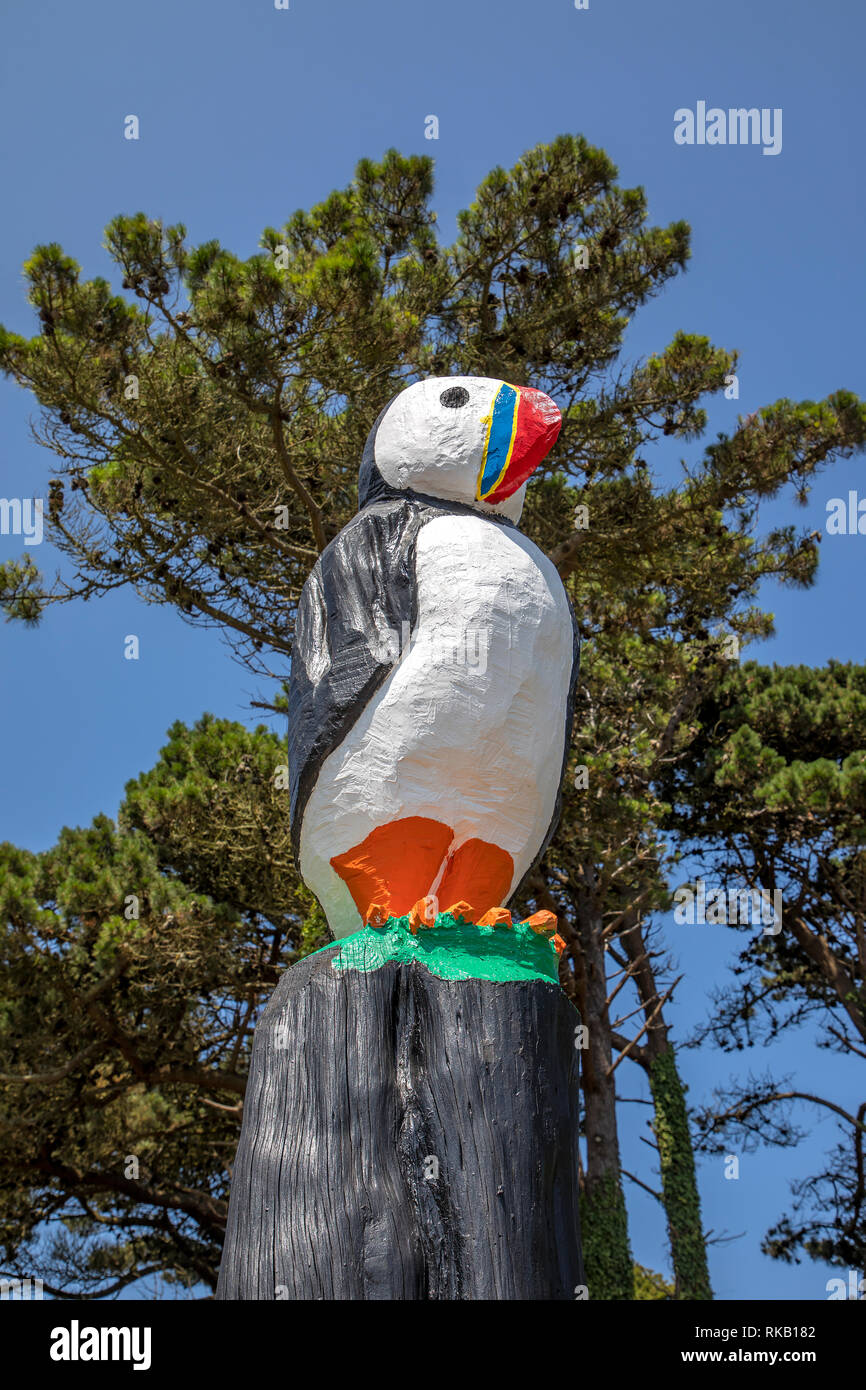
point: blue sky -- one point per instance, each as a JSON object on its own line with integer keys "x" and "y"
{"x": 247, "y": 113}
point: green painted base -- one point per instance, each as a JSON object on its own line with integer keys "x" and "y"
{"x": 453, "y": 949}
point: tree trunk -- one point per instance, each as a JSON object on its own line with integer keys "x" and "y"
{"x": 680, "y": 1194}
{"x": 407, "y": 1136}
{"x": 609, "y": 1264}
{"x": 679, "y": 1179}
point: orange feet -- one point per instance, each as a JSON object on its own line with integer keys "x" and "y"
{"x": 477, "y": 874}
{"x": 460, "y": 909}
{"x": 423, "y": 914}
{"x": 496, "y": 917}
{"x": 375, "y": 916}
{"x": 389, "y": 874}
{"x": 394, "y": 865}
{"x": 542, "y": 922}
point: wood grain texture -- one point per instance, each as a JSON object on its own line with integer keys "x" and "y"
{"x": 357, "y": 1081}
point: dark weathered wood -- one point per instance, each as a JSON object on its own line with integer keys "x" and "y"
{"x": 358, "y": 1083}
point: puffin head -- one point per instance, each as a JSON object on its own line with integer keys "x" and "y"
{"x": 469, "y": 439}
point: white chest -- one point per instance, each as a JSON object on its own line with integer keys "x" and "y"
{"x": 488, "y": 597}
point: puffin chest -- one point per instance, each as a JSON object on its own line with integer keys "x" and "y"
{"x": 485, "y": 589}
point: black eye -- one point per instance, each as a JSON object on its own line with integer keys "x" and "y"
{"x": 454, "y": 397}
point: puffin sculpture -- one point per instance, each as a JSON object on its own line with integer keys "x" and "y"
{"x": 433, "y": 669}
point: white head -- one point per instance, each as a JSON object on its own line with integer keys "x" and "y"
{"x": 468, "y": 439}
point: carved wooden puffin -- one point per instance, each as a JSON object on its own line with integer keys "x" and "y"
{"x": 433, "y": 668}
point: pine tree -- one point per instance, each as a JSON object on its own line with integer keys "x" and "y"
{"x": 209, "y": 423}
{"x": 773, "y": 795}
{"x": 135, "y": 959}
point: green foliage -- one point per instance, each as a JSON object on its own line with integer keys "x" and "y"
{"x": 610, "y": 1273}
{"x": 216, "y": 809}
{"x": 773, "y": 791}
{"x": 20, "y": 590}
{"x": 129, "y": 990}
{"x": 314, "y": 930}
{"x": 650, "y": 1286}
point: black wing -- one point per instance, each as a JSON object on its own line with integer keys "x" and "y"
{"x": 349, "y": 620}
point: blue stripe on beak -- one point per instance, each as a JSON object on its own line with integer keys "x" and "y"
{"x": 499, "y": 444}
